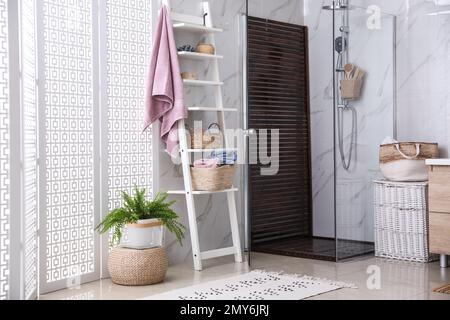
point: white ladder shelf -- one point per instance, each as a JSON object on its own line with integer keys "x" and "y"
{"x": 189, "y": 23}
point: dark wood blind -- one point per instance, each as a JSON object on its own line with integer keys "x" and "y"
{"x": 280, "y": 205}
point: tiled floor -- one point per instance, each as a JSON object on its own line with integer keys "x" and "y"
{"x": 315, "y": 248}
{"x": 398, "y": 280}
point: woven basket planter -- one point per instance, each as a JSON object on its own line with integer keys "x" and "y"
{"x": 129, "y": 267}
{"x": 401, "y": 221}
{"x": 212, "y": 179}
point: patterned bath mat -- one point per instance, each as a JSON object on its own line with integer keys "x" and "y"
{"x": 444, "y": 289}
{"x": 256, "y": 285}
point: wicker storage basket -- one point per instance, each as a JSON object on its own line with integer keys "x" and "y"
{"x": 189, "y": 76}
{"x": 205, "y": 48}
{"x": 401, "y": 221}
{"x": 129, "y": 267}
{"x": 210, "y": 139}
{"x": 405, "y": 161}
{"x": 212, "y": 179}
{"x": 408, "y": 150}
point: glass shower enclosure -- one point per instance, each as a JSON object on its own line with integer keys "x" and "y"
{"x": 368, "y": 42}
{"x": 345, "y": 42}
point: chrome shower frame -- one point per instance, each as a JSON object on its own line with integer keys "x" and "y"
{"x": 342, "y": 104}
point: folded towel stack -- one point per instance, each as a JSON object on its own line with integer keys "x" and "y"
{"x": 207, "y": 163}
{"x": 186, "y": 48}
{"x": 225, "y": 157}
{"x": 217, "y": 159}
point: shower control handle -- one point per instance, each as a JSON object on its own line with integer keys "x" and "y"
{"x": 343, "y": 106}
{"x": 249, "y": 132}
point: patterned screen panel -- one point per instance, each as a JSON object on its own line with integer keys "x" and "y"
{"x": 69, "y": 145}
{"x": 129, "y": 49}
{"x": 30, "y": 150}
{"x": 4, "y": 153}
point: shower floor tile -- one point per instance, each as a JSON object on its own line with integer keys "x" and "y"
{"x": 315, "y": 248}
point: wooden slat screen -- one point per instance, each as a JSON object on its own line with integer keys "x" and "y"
{"x": 280, "y": 205}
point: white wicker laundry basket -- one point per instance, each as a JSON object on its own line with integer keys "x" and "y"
{"x": 401, "y": 221}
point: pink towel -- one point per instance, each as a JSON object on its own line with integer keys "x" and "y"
{"x": 207, "y": 163}
{"x": 165, "y": 101}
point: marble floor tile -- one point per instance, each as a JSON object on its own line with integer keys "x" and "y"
{"x": 398, "y": 280}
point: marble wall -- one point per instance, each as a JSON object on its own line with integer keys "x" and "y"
{"x": 290, "y": 11}
{"x": 213, "y": 219}
{"x": 421, "y": 92}
{"x": 373, "y": 51}
{"x": 418, "y": 42}
{"x": 423, "y": 65}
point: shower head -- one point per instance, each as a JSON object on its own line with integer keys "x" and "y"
{"x": 337, "y": 5}
{"x": 340, "y": 44}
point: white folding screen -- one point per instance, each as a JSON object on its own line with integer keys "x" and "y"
{"x": 4, "y": 154}
{"x": 18, "y": 151}
{"x": 128, "y": 54}
{"x": 127, "y": 25}
{"x": 29, "y": 148}
{"x": 95, "y": 57}
{"x": 73, "y": 140}
{"x": 68, "y": 242}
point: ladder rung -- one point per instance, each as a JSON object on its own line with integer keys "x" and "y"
{"x": 202, "y": 83}
{"x": 198, "y": 56}
{"x": 218, "y": 253}
{"x": 195, "y": 28}
{"x": 210, "y": 150}
{"x": 213, "y": 109}
{"x": 183, "y": 192}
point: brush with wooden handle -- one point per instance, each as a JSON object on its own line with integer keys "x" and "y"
{"x": 349, "y": 69}
{"x": 359, "y": 74}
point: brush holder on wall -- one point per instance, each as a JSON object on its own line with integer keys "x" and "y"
{"x": 351, "y": 89}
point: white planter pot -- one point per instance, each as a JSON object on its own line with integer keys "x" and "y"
{"x": 144, "y": 234}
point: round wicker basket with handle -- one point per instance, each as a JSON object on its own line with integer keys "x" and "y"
{"x": 409, "y": 151}
{"x": 130, "y": 267}
{"x": 209, "y": 139}
{"x": 212, "y": 138}
{"x": 205, "y": 48}
{"x": 405, "y": 161}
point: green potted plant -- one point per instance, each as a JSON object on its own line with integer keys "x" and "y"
{"x": 144, "y": 220}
